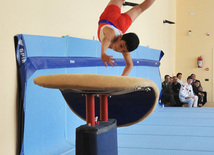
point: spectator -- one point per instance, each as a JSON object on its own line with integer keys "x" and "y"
{"x": 200, "y": 88}
{"x": 167, "y": 94}
{"x": 201, "y": 95}
{"x": 193, "y": 78}
{"x": 175, "y": 88}
{"x": 186, "y": 94}
{"x": 171, "y": 80}
{"x": 179, "y": 76}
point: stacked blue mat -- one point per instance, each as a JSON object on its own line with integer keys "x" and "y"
{"x": 170, "y": 131}
{"x": 47, "y": 124}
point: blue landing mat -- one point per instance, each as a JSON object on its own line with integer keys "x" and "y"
{"x": 47, "y": 125}
{"x": 177, "y": 131}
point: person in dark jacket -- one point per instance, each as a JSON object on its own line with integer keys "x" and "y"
{"x": 167, "y": 94}
{"x": 197, "y": 91}
{"x": 176, "y": 88}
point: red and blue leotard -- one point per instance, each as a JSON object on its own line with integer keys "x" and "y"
{"x": 112, "y": 16}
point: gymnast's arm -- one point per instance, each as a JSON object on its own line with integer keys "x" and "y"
{"x": 129, "y": 63}
{"x": 105, "y": 43}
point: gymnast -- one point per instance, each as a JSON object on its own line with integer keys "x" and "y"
{"x": 112, "y": 26}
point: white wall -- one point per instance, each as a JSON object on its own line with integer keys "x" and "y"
{"x": 189, "y": 48}
{"x": 68, "y": 17}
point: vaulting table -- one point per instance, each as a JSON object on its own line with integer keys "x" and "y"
{"x": 127, "y": 100}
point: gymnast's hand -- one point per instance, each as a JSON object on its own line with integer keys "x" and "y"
{"x": 108, "y": 59}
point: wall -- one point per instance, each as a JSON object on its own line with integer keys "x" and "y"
{"x": 188, "y": 48}
{"x": 154, "y": 33}
{"x": 74, "y": 18}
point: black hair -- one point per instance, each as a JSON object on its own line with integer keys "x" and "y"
{"x": 132, "y": 41}
{"x": 179, "y": 74}
{"x": 189, "y": 77}
{"x": 166, "y": 76}
{"x": 197, "y": 81}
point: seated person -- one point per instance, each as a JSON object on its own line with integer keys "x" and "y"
{"x": 171, "y": 80}
{"x": 186, "y": 94}
{"x": 176, "y": 88}
{"x": 167, "y": 94}
{"x": 199, "y": 93}
{"x": 179, "y": 76}
{"x": 200, "y": 88}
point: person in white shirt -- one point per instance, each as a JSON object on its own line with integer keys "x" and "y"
{"x": 186, "y": 94}
{"x": 179, "y": 76}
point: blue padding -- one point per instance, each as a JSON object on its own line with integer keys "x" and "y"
{"x": 36, "y": 63}
{"x": 148, "y": 53}
{"x": 44, "y": 46}
{"x": 49, "y": 124}
{"x": 186, "y": 131}
{"x": 98, "y": 140}
{"x": 77, "y": 47}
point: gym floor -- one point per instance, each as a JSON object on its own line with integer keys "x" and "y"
{"x": 209, "y": 104}
{"x": 171, "y": 130}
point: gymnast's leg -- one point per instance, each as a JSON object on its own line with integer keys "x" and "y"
{"x": 138, "y": 9}
{"x": 119, "y": 3}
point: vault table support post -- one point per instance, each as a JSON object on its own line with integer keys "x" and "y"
{"x": 103, "y": 108}
{"x": 90, "y": 110}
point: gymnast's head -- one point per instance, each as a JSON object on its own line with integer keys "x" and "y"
{"x": 126, "y": 43}
{"x": 132, "y": 41}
